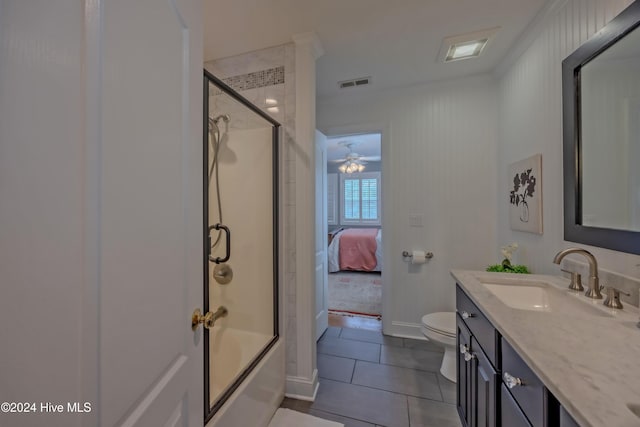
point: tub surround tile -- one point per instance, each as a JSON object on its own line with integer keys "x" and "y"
{"x": 362, "y": 403}
{"x": 270, "y": 73}
{"x": 398, "y": 380}
{"x": 256, "y": 79}
{"x": 583, "y": 359}
{"x": 427, "y": 413}
{"x": 290, "y": 56}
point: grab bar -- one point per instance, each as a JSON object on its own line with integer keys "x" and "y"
{"x": 219, "y": 260}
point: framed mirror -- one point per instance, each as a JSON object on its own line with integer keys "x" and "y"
{"x": 601, "y": 132}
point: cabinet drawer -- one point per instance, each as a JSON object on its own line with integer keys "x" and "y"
{"x": 530, "y": 394}
{"x": 479, "y": 326}
{"x": 510, "y": 413}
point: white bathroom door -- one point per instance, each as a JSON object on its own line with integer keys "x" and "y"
{"x": 321, "y": 269}
{"x": 150, "y": 242}
{"x": 101, "y": 213}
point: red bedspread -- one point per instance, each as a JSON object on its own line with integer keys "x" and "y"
{"x": 358, "y": 249}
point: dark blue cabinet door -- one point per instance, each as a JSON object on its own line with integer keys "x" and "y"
{"x": 464, "y": 374}
{"x": 484, "y": 390}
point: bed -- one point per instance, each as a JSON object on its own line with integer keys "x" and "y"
{"x": 356, "y": 249}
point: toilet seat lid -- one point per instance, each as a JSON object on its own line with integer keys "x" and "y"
{"x": 442, "y": 322}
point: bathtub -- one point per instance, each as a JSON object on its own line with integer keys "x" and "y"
{"x": 256, "y": 399}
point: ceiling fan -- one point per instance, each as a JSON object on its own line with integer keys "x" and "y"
{"x": 353, "y": 162}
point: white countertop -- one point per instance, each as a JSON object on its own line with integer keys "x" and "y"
{"x": 590, "y": 362}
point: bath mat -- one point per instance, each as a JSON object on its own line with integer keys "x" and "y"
{"x": 288, "y": 418}
{"x": 355, "y": 293}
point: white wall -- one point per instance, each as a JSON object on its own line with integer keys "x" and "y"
{"x": 530, "y": 121}
{"x": 42, "y": 176}
{"x": 438, "y": 161}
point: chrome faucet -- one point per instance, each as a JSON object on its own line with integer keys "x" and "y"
{"x": 594, "y": 282}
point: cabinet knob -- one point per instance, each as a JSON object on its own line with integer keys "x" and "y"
{"x": 466, "y": 315}
{"x": 468, "y": 356}
{"x": 463, "y": 348}
{"x": 511, "y": 381}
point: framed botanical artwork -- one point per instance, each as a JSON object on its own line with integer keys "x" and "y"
{"x": 525, "y": 194}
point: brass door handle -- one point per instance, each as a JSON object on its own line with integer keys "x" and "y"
{"x": 209, "y": 319}
{"x": 197, "y": 318}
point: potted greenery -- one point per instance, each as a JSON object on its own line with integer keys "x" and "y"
{"x": 506, "y": 266}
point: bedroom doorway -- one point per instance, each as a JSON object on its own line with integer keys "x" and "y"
{"x": 354, "y": 230}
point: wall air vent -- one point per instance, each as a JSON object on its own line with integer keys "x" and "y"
{"x": 360, "y": 81}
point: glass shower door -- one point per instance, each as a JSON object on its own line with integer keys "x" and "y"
{"x": 241, "y": 151}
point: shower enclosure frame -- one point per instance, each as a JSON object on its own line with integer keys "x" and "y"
{"x": 209, "y": 411}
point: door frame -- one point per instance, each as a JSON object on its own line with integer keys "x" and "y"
{"x": 320, "y": 145}
{"x": 384, "y": 129}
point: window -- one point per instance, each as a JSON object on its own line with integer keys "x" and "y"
{"x": 360, "y": 197}
{"x": 332, "y": 198}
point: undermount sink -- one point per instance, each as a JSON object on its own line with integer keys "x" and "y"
{"x": 521, "y": 297}
{"x": 536, "y": 295}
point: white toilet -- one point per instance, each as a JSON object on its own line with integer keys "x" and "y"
{"x": 441, "y": 329}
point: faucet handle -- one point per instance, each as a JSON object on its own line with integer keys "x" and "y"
{"x": 613, "y": 297}
{"x": 576, "y": 280}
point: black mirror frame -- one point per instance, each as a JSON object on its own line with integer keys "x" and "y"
{"x": 574, "y": 231}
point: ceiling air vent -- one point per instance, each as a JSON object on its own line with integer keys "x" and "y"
{"x": 361, "y": 81}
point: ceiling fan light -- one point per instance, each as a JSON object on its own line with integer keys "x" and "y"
{"x": 360, "y": 168}
{"x": 343, "y": 168}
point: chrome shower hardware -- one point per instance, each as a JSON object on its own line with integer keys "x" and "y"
{"x": 223, "y": 274}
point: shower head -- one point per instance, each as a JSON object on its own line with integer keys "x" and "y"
{"x": 213, "y": 121}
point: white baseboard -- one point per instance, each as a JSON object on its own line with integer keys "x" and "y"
{"x": 404, "y": 330}
{"x": 302, "y": 388}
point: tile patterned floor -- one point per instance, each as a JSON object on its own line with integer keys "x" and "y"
{"x": 371, "y": 380}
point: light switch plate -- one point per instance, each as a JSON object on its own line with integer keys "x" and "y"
{"x": 415, "y": 220}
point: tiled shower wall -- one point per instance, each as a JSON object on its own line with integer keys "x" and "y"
{"x": 258, "y": 76}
